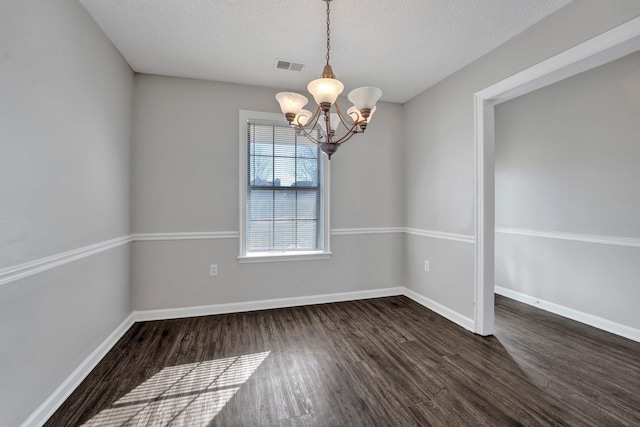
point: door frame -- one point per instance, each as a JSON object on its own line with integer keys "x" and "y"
{"x": 606, "y": 47}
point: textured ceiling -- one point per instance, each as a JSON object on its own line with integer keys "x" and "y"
{"x": 401, "y": 46}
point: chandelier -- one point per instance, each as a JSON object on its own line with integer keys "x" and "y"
{"x": 332, "y": 129}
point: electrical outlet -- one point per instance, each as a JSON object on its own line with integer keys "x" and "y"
{"x": 213, "y": 270}
{"x": 426, "y": 266}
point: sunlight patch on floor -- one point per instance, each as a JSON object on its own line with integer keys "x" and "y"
{"x": 191, "y": 394}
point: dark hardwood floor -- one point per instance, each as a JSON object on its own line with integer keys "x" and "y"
{"x": 379, "y": 362}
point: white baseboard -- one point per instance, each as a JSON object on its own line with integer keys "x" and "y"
{"x": 57, "y": 398}
{"x": 237, "y": 307}
{"x": 570, "y": 313}
{"x": 443, "y": 311}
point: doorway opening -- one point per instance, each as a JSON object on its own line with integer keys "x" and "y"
{"x": 607, "y": 47}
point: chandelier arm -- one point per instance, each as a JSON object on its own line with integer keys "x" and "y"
{"x": 346, "y": 120}
{"x": 347, "y": 136}
{"x": 313, "y": 119}
{"x": 311, "y": 125}
{"x": 350, "y": 132}
{"x": 310, "y": 137}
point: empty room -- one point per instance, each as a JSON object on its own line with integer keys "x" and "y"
{"x": 319, "y": 213}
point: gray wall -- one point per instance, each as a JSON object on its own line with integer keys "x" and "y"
{"x": 567, "y": 160}
{"x": 65, "y": 118}
{"x": 440, "y": 150}
{"x": 65, "y": 124}
{"x": 185, "y": 179}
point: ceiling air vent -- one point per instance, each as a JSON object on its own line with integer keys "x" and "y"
{"x": 282, "y": 64}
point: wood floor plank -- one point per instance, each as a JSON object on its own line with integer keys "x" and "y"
{"x": 378, "y": 362}
{"x": 575, "y": 363}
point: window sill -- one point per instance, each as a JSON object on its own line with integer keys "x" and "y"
{"x": 282, "y": 256}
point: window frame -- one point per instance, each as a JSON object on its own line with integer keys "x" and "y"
{"x": 245, "y": 116}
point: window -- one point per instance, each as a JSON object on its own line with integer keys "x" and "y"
{"x": 284, "y": 196}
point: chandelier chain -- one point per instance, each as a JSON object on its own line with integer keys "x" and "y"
{"x": 328, "y": 31}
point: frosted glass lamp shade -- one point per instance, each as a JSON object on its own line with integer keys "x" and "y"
{"x": 303, "y": 118}
{"x": 335, "y": 122}
{"x": 291, "y": 103}
{"x": 325, "y": 90}
{"x": 365, "y": 97}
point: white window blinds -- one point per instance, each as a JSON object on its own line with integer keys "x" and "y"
{"x": 284, "y": 205}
